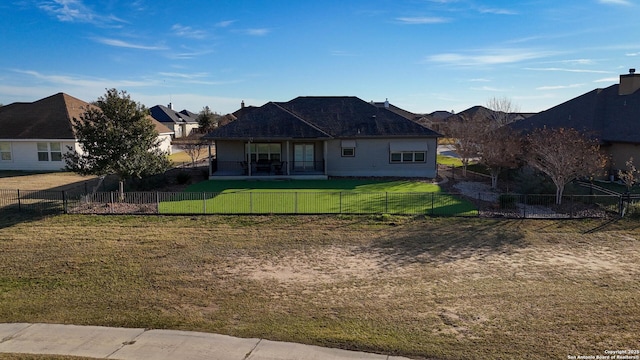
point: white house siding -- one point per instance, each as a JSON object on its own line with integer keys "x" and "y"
{"x": 24, "y": 155}
{"x": 165, "y": 143}
{"x": 372, "y": 158}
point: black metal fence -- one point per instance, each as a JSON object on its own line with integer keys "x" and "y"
{"x": 244, "y": 202}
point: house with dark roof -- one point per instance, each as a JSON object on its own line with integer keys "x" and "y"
{"x": 317, "y": 137}
{"x": 610, "y": 115}
{"x": 35, "y": 135}
{"x": 182, "y": 123}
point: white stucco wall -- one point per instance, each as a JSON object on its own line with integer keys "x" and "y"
{"x": 24, "y": 155}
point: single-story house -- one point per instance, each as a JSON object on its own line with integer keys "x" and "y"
{"x": 317, "y": 137}
{"x": 35, "y": 135}
{"x": 182, "y": 123}
{"x": 610, "y": 115}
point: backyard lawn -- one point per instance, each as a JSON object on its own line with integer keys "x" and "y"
{"x": 336, "y": 196}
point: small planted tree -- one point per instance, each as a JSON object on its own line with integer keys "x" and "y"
{"x": 563, "y": 155}
{"x": 629, "y": 176}
{"x": 117, "y": 137}
{"x": 192, "y": 146}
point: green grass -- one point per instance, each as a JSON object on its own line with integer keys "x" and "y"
{"x": 448, "y": 161}
{"x": 337, "y": 196}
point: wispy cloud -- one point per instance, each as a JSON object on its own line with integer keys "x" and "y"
{"x": 184, "y": 75}
{"x": 188, "y": 54}
{"x": 225, "y": 23}
{"x": 608, "y": 80}
{"x": 488, "y": 88}
{"x": 497, "y": 11}
{"x": 633, "y": 54}
{"x": 257, "y": 32}
{"x": 479, "y": 80}
{"x": 84, "y": 82}
{"x": 559, "y": 87}
{"x": 188, "y": 32}
{"x": 616, "y": 2}
{"x": 570, "y": 70}
{"x": 124, "y": 44}
{"x": 487, "y": 57}
{"x": 421, "y": 20}
{"x": 75, "y": 11}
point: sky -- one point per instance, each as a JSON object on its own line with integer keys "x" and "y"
{"x": 421, "y": 55}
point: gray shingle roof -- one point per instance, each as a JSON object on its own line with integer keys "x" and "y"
{"x": 321, "y": 117}
{"x": 601, "y": 113}
{"x": 166, "y": 115}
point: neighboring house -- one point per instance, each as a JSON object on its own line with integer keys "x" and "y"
{"x": 182, "y": 123}
{"x": 610, "y": 115}
{"x": 35, "y": 135}
{"x": 318, "y": 137}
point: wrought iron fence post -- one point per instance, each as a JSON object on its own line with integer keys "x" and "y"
{"x": 432, "y": 203}
{"x": 524, "y": 207}
{"x": 250, "y": 202}
{"x": 64, "y": 202}
{"x": 340, "y": 203}
{"x": 19, "y": 203}
{"x": 204, "y": 202}
{"x": 295, "y": 202}
{"x": 386, "y": 202}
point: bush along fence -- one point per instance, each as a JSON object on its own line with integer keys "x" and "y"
{"x": 242, "y": 202}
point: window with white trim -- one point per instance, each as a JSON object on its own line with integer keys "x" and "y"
{"x": 408, "y": 156}
{"x": 49, "y": 151}
{"x": 5, "y": 151}
{"x": 348, "y": 148}
{"x": 407, "y": 152}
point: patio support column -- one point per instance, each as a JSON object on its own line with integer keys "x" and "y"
{"x": 287, "y": 159}
{"x": 210, "y": 161}
{"x": 324, "y": 154}
{"x": 249, "y": 157}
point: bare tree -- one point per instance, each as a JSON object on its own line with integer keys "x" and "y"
{"x": 502, "y": 110}
{"x": 563, "y": 155}
{"x": 499, "y": 147}
{"x": 628, "y": 176}
{"x": 192, "y": 146}
{"x": 464, "y": 131}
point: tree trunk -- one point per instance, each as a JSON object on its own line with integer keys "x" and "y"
{"x": 559, "y": 192}
{"x": 494, "y": 177}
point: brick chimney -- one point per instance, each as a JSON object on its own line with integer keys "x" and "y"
{"x": 629, "y": 83}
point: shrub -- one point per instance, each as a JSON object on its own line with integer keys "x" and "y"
{"x": 183, "y": 177}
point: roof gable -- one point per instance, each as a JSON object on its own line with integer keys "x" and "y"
{"x": 269, "y": 121}
{"x": 320, "y": 117}
{"x": 349, "y": 116}
{"x": 47, "y": 118}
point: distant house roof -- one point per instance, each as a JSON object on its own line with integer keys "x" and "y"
{"x": 167, "y": 115}
{"x": 320, "y": 117}
{"x": 48, "y": 118}
{"x": 402, "y": 112}
{"x": 600, "y": 113}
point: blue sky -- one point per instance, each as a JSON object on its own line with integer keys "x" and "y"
{"x": 423, "y": 55}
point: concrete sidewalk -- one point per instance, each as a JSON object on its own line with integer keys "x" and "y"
{"x": 136, "y": 344}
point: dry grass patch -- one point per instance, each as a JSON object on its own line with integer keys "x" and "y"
{"x": 423, "y": 288}
{"x": 61, "y": 181}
